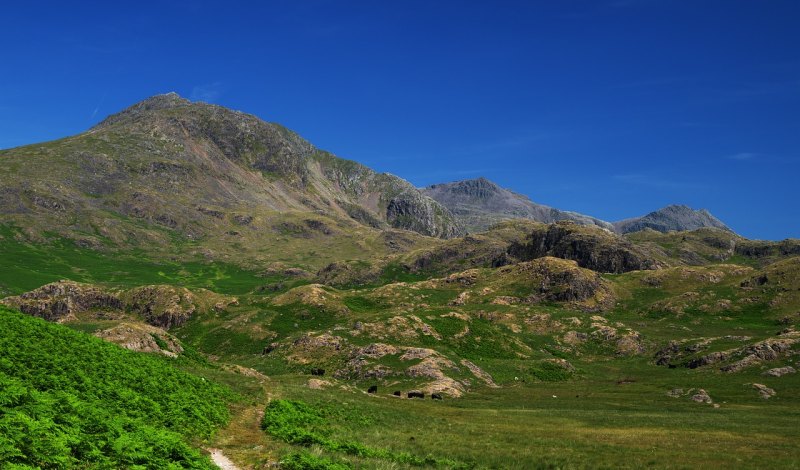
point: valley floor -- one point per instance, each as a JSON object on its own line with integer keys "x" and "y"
{"x": 623, "y": 418}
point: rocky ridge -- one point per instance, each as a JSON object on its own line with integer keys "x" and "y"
{"x": 480, "y": 203}
{"x": 671, "y": 218}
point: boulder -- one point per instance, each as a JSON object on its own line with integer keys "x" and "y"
{"x": 765, "y": 392}
{"x": 701, "y": 396}
{"x": 318, "y": 384}
{"x": 780, "y": 371}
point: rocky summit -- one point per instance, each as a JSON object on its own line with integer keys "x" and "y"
{"x": 480, "y": 203}
{"x": 671, "y": 218}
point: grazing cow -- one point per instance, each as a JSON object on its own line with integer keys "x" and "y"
{"x": 397, "y": 393}
{"x": 373, "y": 389}
{"x": 416, "y": 394}
{"x": 318, "y": 372}
{"x": 436, "y": 396}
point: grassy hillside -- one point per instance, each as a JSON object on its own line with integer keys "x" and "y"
{"x": 582, "y": 369}
{"x": 69, "y": 400}
{"x": 541, "y": 363}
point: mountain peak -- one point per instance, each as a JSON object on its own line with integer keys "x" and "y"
{"x": 162, "y": 101}
{"x": 480, "y": 203}
{"x": 672, "y": 217}
{"x": 479, "y": 188}
{"x": 169, "y": 100}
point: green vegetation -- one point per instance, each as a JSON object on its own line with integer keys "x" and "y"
{"x": 70, "y": 400}
{"x": 305, "y": 460}
{"x": 304, "y": 425}
{"x": 27, "y": 266}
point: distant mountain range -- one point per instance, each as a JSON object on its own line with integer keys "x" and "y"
{"x": 479, "y": 203}
{"x": 674, "y": 217}
{"x": 168, "y": 172}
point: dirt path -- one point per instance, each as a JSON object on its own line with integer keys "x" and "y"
{"x": 224, "y": 463}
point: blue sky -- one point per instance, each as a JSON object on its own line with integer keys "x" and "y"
{"x": 612, "y": 108}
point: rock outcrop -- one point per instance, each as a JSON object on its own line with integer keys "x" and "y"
{"x": 556, "y": 280}
{"x": 780, "y": 371}
{"x": 162, "y": 306}
{"x": 687, "y": 354}
{"x": 764, "y": 392}
{"x": 591, "y": 247}
{"x": 701, "y": 396}
{"x": 142, "y": 338}
{"x": 60, "y": 300}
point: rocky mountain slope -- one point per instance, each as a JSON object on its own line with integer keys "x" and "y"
{"x": 674, "y": 217}
{"x": 168, "y": 170}
{"x": 480, "y": 203}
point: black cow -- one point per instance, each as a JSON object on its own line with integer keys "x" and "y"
{"x": 398, "y": 393}
{"x": 318, "y": 372}
{"x": 416, "y": 395}
{"x": 373, "y": 389}
{"x": 436, "y": 396}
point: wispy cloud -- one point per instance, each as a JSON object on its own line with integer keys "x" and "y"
{"x": 743, "y": 156}
{"x": 209, "y": 92}
{"x": 97, "y": 108}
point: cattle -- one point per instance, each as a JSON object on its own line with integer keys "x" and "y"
{"x": 436, "y": 396}
{"x": 373, "y": 389}
{"x": 318, "y": 372}
{"x": 415, "y": 394}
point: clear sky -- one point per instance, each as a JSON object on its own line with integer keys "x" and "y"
{"x": 612, "y": 108}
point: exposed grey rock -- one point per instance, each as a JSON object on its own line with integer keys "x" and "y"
{"x": 780, "y": 371}
{"x": 411, "y": 210}
{"x": 765, "y": 392}
{"x": 592, "y": 247}
{"x": 59, "y": 300}
{"x": 701, "y": 396}
{"x": 674, "y": 217}
{"x": 162, "y": 306}
{"x": 479, "y": 203}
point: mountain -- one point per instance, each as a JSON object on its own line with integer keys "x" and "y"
{"x": 479, "y": 203}
{"x": 674, "y": 217}
{"x": 351, "y": 328}
{"x": 169, "y": 172}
